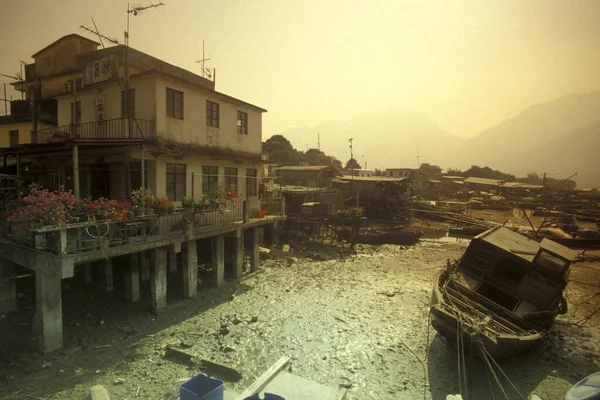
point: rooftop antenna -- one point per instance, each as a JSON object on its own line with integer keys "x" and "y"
{"x": 202, "y": 61}
{"x": 98, "y": 34}
{"x": 319, "y": 140}
{"x": 18, "y": 77}
{"x": 135, "y": 10}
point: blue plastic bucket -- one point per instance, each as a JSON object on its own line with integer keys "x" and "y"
{"x": 201, "y": 387}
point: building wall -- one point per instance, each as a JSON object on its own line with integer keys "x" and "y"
{"x": 193, "y": 129}
{"x": 145, "y": 101}
{"x": 157, "y": 172}
{"x": 24, "y": 129}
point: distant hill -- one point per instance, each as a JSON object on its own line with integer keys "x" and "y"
{"x": 386, "y": 139}
{"x": 559, "y": 137}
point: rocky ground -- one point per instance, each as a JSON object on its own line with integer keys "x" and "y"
{"x": 358, "y": 321}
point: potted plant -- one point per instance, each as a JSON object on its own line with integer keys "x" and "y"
{"x": 163, "y": 205}
{"x": 188, "y": 203}
{"x": 142, "y": 201}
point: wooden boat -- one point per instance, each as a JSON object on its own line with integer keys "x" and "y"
{"x": 388, "y": 236}
{"x": 466, "y": 231}
{"x": 504, "y": 293}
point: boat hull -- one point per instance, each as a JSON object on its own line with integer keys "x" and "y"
{"x": 444, "y": 321}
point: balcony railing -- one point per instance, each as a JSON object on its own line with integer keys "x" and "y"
{"x": 109, "y": 129}
{"x": 99, "y": 235}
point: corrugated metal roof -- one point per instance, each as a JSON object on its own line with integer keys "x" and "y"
{"x": 521, "y": 185}
{"x": 302, "y": 168}
{"x": 484, "y": 181}
{"x": 371, "y": 178}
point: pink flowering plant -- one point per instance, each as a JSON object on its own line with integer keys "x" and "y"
{"x": 42, "y": 207}
{"x": 108, "y": 209}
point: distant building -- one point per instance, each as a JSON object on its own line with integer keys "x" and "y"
{"x": 430, "y": 170}
{"x": 365, "y": 173}
{"x": 483, "y": 184}
{"x": 305, "y": 175}
{"x": 410, "y": 173}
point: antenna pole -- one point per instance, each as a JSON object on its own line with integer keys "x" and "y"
{"x": 318, "y": 139}
{"x": 5, "y": 107}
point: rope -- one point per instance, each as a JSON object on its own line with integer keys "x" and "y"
{"x": 482, "y": 347}
{"x": 422, "y": 365}
{"x": 503, "y": 373}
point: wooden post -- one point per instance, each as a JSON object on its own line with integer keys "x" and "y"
{"x": 76, "y": 172}
{"x": 255, "y": 255}
{"x": 238, "y": 253}
{"x": 245, "y": 211}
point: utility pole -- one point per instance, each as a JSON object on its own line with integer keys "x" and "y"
{"x": 135, "y": 11}
{"x": 351, "y": 168}
{"x": 318, "y": 137}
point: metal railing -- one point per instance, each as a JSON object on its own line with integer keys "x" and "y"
{"x": 109, "y": 129}
{"x": 98, "y": 235}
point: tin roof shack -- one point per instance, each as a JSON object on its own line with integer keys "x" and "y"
{"x": 315, "y": 176}
{"x": 507, "y": 290}
{"x": 520, "y": 189}
{"x": 379, "y": 196}
{"x": 484, "y": 184}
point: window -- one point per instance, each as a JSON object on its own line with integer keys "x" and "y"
{"x": 131, "y": 104}
{"x": 251, "y": 182}
{"x": 212, "y": 114}
{"x": 13, "y": 138}
{"x": 231, "y": 177}
{"x": 242, "y": 122}
{"x": 174, "y": 103}
{"x": 76, "y": 113}
{"x": 210, "y": 179}
{"x": 176, "y": 177}
{"x": 135, "y": 175}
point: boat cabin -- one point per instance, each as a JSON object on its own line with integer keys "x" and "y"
{"x": 514, "y": 272}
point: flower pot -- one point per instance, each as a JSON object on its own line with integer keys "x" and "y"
{"x": 139, "y": 212}
{"x": 149, "y": 211}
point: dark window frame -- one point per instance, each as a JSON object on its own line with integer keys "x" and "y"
{"x": 251, "y": 182}
{"x": 13, "y": 138}
{"x": 210, "y": 178}
{"x": 176, "y": 181}
{"x": 242, "y": 122}
{"x": 131, "y": 104}
{"x": 174, "y": 103}
{"x": 231, "y": 179}
{"x": 213, "y": 113}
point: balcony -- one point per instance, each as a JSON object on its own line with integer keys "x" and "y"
{"x": 98, "y": 131}
{"x": 102, "y": 239}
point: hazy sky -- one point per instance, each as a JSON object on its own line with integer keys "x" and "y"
{"x": 466, "y": 64}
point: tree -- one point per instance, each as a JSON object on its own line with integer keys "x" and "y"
{"x": 487, "y": 172}
{"x": 280, "y": 151}
{"x": 352, "y": 164}
{"x": 317, "y": 157}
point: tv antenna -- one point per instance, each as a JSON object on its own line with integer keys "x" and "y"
{"x": 202, "y": 61}
{"x": 17, "y": 77}
{"x": 137, "y": 10}
{"x": 98, "y": 34}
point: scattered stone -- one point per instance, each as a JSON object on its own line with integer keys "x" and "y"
{"x": 98, "y": 392}
{"x": 236, "y": 321}
{"x": 118, "y": 381}
{"x": 98, "y": 372}
{"x": 224, "y": 330}
{"x": 47, "y": 364}
{"x": 227, "y": 349}
{"x": 253, "y": 319}
{"x": 186, "y": 344}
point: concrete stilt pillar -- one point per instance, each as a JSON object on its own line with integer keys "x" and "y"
{"x": 8, "y": 291}
{"x": 217, "y": 248}
{"x": 158, "y": 280}
{"x": 275, "y": 233}
{"x": 255, "y": 255}
{"x": 132, "y": 278}
{"x": 172, "y": 262}
{"x": 107, "y": 275}
{"x": 190, "y": 269}
{"x": 87, "y": 272}
{"x": 48, "y": 298}
{"x": 238, "y": 253}
{"x": 145, "y": 261}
